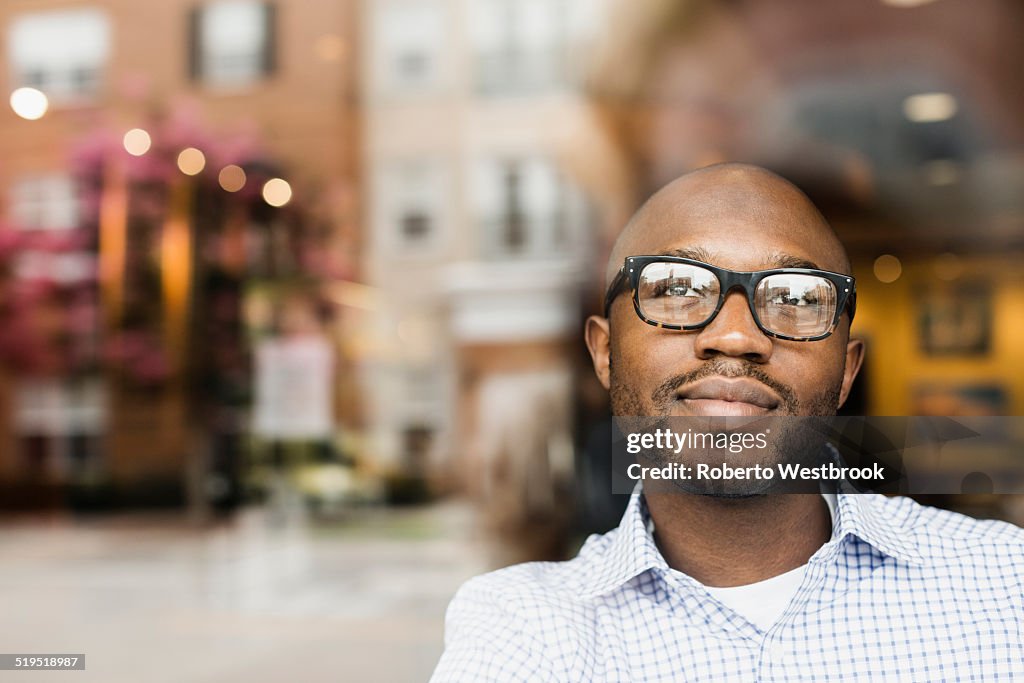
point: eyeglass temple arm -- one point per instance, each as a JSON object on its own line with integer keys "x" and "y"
{"x": 614, "y": 289}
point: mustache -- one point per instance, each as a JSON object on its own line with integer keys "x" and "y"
{"x": 666, "y": 392}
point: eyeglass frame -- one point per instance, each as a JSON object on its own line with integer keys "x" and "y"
{"x": 728, "y": 280}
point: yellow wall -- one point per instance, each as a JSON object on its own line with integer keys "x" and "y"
{"x": 888, "y": 317}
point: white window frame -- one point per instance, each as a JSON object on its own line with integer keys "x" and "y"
{"x": 233, "y": 43}
{"x": 47, "y": 201}
{"x": 518, "y": 45}
{"x": 402, "y": 29}
{"x": 553, "y": 208}
{"x": 407, "y": 186}
{"x": 49, "y": 50}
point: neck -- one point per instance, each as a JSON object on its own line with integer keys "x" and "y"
{"x": 738, "y": 541}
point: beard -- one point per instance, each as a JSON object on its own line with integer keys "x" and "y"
{"x": 793, "y": 441}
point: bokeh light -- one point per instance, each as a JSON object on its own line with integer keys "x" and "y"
{"x": 137, "y": 142}
{"x": 888, "y": 268}
{"x": 930, "y": 107}
{"x": 277, "y": 192}
{"x": 231, "y": 178}
{"x": 29, "y": 103}
{"x": 191, "y": 161}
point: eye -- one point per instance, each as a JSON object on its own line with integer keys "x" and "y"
{"x": 672, "y": 288}
{"x": 680, "y": 289}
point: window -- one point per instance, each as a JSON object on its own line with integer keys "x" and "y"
{"x": 63, "y": 53}
{"x": 525, "y": 46}
{"x": 47, "y": 202}
{"x": 58, "y": 268}
{"x": 526, "y": 207}
{"x": 232, "y": 43}
{"x": 516, "y": 44}
{"x": 411, "y": 199}
{"x": 415, "y": 225}
{"x": 60, "y": 425}
{"x": 410, "y": 40}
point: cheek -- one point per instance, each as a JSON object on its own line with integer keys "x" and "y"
{"x": 644, "y": 357}
{"x": 810, "y": 371}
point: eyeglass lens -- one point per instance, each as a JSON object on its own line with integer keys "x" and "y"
{"x": 788, "y": 304}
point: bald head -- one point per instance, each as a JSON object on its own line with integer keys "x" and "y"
{"x": 737, "y": 205}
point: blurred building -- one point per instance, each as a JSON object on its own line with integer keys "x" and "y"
{"x": 448, "y": 178}
{"x": 482, "y": 226}
{"x": 268, "y": 85}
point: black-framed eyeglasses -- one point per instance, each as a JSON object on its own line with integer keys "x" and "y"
{"x": 675, "y": 293}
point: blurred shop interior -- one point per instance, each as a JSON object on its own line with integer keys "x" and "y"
{"x": 340, "y": 252}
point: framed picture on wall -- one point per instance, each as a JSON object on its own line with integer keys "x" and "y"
{"x": 956, "y": 320}
{"x": 971, "y": 398}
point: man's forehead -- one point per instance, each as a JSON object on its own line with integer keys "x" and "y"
{"x": 735, "y": 216}
{"x": 752, "y": 261}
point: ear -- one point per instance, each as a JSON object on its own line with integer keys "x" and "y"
{"x": 854, "y": 359}
{"x": 598, "y": 340}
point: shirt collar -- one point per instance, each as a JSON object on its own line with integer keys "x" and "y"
{"x": 864, "y": 516}
{"x": 633, "y": 551}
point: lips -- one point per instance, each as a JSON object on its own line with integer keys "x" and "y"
{"x": 721, "y": 396}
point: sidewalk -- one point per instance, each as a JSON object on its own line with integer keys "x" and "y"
{"x": 151, "y": 599}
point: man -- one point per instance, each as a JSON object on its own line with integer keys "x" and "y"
{"x": 742, "y": 586}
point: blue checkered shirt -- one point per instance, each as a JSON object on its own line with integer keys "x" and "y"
{"x": 902, "y": 592}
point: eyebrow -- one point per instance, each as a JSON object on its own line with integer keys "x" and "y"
{"x": 777, "y": 259}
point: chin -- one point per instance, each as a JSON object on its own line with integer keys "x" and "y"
{"x": 734, "y": 496}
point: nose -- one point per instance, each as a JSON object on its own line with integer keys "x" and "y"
{"x": 733, "y": 332}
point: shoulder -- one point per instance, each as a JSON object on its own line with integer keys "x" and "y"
{"x": 548, "y": 586}
{"x": 537, "y": 611}
{"x": 945, "y": 536}
{"x": 924, "y": 519}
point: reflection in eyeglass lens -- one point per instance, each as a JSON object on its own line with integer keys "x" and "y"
{"x": 796, "y": 305}
{"x": 678, "y": 293}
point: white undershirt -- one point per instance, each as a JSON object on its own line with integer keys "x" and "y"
{"x": 762, "y": 603}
